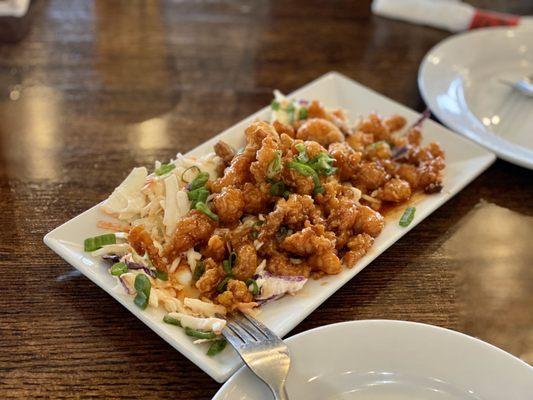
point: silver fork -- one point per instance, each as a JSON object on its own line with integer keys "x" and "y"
{"x": 261, "y": 350}
{"x": 524, "y": 85}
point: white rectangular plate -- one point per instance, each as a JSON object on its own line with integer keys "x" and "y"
{"x": 464, "y": 159}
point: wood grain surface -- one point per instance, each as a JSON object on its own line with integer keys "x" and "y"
{"x": 98, "y": 87}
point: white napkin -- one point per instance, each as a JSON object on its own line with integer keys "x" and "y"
{"x": 452, "y": 15}
{"x": 14, "y": 8}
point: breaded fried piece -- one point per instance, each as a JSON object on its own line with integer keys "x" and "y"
{"x": 246, "y": 262}
{"x": 279, "y": 264}
{"x": 310, "y": 240}
{"x": 142, "y": 243}
{"x": 193, "y": 229}
{"x": 320, "y": 130}
{"x": 229, "y": 205}
{"x": 346, "y": 160}
{"x": 369, "y": 221}
{"x": 215, "y": 249}
{"x": 358, "y": 246}
{"x": 266, "y": 156}
{"x": 396, "y": 190}
{"x": 224, "y": 151}
{"x": 237, "y": 173}
{"x": 236, "y": 292}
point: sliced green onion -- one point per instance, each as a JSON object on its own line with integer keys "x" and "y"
{"x": 227, "y": 266}
{"x": 119, "y": 269}
{"x": 300, "y": 147}
{"x": 255, "y": 286}
{"x": 232, "y": 258}
{"x": 290, "y": 110}
{"x": 97, "y": 242}
{"x": 200, "y": 180}
{"x": 254, "y": 234}
{"x": 142, "y": 284}
{"x": 286, "y": 194}
{"x": 198, "y": 270}
{"x": 306, "y": 170}
{"x": 203, "y": 208}
{"x": 216, "y": 347}
{"x": 161, "y": 275}
{"x": 302, "y": 114}
{"x": 188, "y": 169}
{"x": 165, "y": 169}
{"x": 407, "y": 216}
{"x": 277, "y": 189}
{"x": 141, "y": 301}
{"x": 172, "y": 321}
{"x": 221, "y": 287}
{"x": 323, "y": 164}
{"x": 198, "y": 196}
{"x": 301, "y": 168}
{"x": 302, "y": 150}
{"x": 143, "y": 287}
{"x": 199, "y": 334}
{"x": 274, "y": 167}
{"x": 240, "y": 151}
{"x": 275, "y": 105}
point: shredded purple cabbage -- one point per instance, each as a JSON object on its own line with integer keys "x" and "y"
{"x": 269, "y": 299}
{"x": 124, "y": 285}
{"x": 425, "y": 115}
{"x": 114, "y": 258}
{"x": 134, "y": 265}
{"x": 290, "y": 278}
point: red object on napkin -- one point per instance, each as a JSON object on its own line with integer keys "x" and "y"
{"x": 484, "y": 18}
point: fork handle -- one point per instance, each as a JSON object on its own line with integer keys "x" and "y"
{"x": 279, "y": 393}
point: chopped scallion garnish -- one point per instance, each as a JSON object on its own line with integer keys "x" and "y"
{"x": 277, "y": 189}
{"x": 199, "y": 195}
{"x": 199, "y": 270}
{"x": 142, "y": 287}
{"x": 199, "y": 334}
{"x": 161, "y": 275}
{"x": 226, "y": 266}
{"x": 97, "y": 242}
{"x": 274, "y": 167}
{"x": 204, "y": 209}
{"x": 172, "y": 321}
{"x": 165, "y": 169}
{"x": 221, "y": 287}
{"x": 306, "y": 170}
{"x": 302, "y": 150}
{"x": 216, "y": 347}
{"x": 323, "y": 164}
{"x": 194, "y": 167}
{"x": 141, "y": 301}
{"x": 302, "y": 114}
{"x": 119, "y": 269}
{"x": 407, "y": 216}
{"x": 255, "y": 287}
{"x": 200, "y": 181}
{"x": 275, "y": 105}
{"x": 232, "y": 258}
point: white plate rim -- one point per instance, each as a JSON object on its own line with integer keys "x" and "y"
{"x": 492, "y": 142}
{"x": 211, "y": 367}
{"x": 378, "y": 323}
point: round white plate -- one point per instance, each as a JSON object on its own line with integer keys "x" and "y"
{"x": 386, "y": 360}
{"x": 459, "y": 81}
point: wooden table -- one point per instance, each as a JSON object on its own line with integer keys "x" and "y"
{"x": 99, "y": 87}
